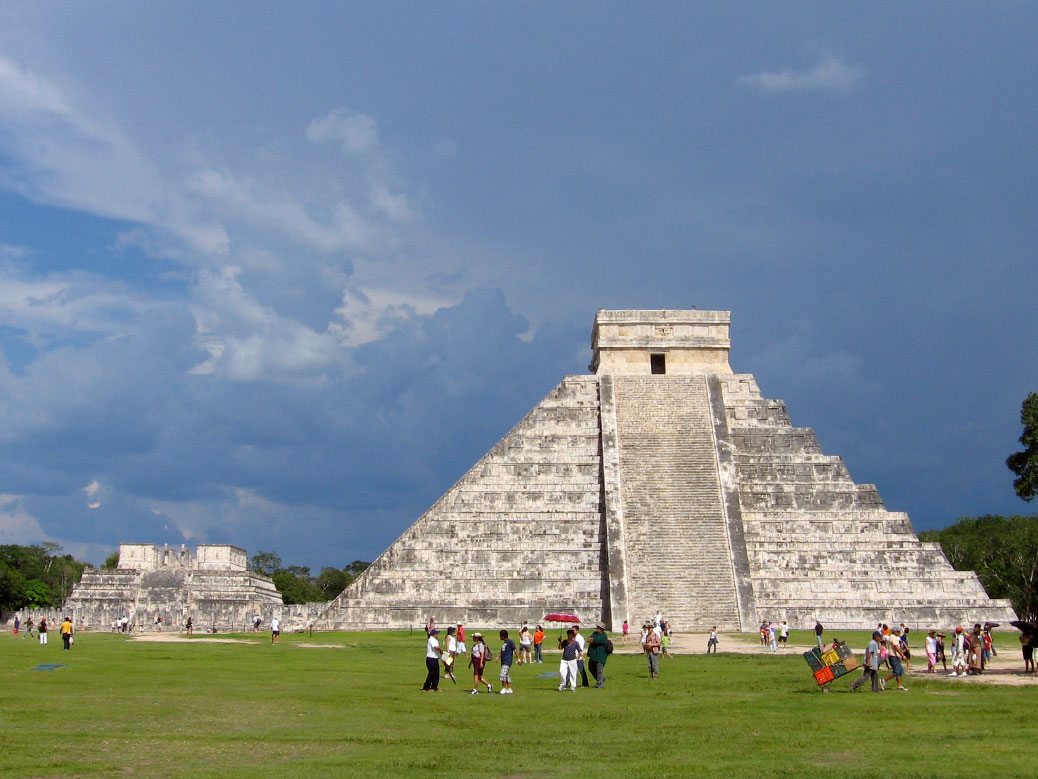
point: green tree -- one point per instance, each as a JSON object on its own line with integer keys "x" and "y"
{"x": 295, "y": 588}
{"x": 1025, "y": 464}
{"x": 12, "y": 589}
{"x": 50, "y": 574}
{"x": 112, "y": 561}
{"x": 1004, "y": 553}
{"x": 331, "y": 582}
{"x": 37, "y": 594}
{"x": 355, "y": 569}
{"x": 265, "y": 563}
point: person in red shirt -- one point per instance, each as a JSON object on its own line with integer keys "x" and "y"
{"x": 538, "y": 639}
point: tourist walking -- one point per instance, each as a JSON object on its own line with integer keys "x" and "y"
{"x": 582, "y": 643}
{"x": 538, "y": 641}
{"x": 29, "y": 625}
{"x": 275, "y": 630}
{"x": 66, "y": 633}
{"x": 571, "y": 653}
{"x": 975, "y": 652}
{"x": 784, "y": 634}
{"x": 818, "y": 633}
{"x": 871, "y": 667}
{"x": 432, "y": 662}
{"x": 477, "y": 662}
{"x": 451, "y": 654}
{"x": 525, "y": 642}
{"x": 42, "y": 631}
{"x": 931, "y": 652}
{"x": 189, "y": 626}
{"x": 959, "y": 649}
{"x": 773, "y": 636}
{"x": 462, "y": 649}
{"x": 597, "y": 654}
{"x": 626, "y": 630}
{"x": 895, "y": 654}
{"x": 1027, "y": 642}
{"x": 507, "y": 655}
{"x": 17, "y": 623}
{"x": 651, "y": 647}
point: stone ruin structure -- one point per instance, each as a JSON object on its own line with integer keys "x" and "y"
{"x": 213, "y": 586}
{"x": 663, "y": 481}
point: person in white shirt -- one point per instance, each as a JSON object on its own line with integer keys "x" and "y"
{"x": 931, "y": 652}
{"x": 711, "y": 643}
{"x": 275, "y": 631}
{"x": 581, "y": 643}
{"x": 432, "y": 662}
{"x": 959, "y": 658}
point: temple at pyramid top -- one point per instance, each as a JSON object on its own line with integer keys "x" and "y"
{"x": 663, "y": 342}
{"x": 664, "y": 482}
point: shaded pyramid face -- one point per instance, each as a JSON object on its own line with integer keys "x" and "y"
{"x": 663, "y": 482}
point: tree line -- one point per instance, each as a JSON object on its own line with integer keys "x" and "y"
{"x": 297, "y": 585}
{"x": 1003, "y": 550}
{"x": 36, "y": 576}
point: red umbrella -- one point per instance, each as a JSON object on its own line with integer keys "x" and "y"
{"x": 559, "y": 616}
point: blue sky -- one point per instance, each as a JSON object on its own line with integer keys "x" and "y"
{"x": 278, "y": 278}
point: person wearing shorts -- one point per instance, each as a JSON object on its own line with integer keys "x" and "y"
{"x": 275, "y": 631}
{"x": 894, "y": 655}
{"x": 477, "y": 662}
{"x": 507, "y": 657}
{"x": 525, "y": 642}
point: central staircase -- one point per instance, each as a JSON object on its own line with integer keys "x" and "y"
{"x": 676, "y": 536}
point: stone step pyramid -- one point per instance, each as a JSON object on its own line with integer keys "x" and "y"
{"x": 662, "y": 482}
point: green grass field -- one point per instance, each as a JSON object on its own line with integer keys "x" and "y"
{"x": 203, "y": 709}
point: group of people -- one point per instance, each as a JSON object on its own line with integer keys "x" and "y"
{"x": 774, "y": 634}
{"x": 66, "y": 630}
{"x": 573, "y": 646}
{"x": 971, "y": 649}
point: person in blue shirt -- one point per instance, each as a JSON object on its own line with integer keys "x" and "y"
{"x": 871, "y": 668}
{"x": 507, "y": 656}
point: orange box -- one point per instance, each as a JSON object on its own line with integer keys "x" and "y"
{"x": 824, "y": 676}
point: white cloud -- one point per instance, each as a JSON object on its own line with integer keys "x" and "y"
{"x": 356, "y": 132}
{"x": 91, "y": 491}
{"x": 829, "y": 75}
{"x": 17, "y": 526}
{"x": 393, "y": 205}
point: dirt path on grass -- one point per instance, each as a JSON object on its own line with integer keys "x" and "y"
{"x": 173, "y": 638}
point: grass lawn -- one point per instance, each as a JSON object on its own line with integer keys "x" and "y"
{"x": 205, "y": 709}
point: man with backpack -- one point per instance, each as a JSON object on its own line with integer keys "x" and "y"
{"x": 599, "y": 649}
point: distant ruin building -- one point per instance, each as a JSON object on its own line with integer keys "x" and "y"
{"x": 213, "y": 585}
{"x": 664, "y": 481}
